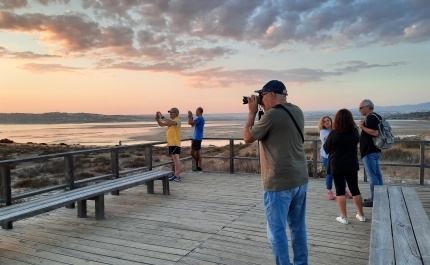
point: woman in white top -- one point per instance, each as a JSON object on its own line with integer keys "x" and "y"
{"x": 324, "y": 128}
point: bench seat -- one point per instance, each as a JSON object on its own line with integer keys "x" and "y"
{"x": 400, "y": 228}
{"x": 94, "y": 192}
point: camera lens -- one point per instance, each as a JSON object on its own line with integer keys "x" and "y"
{"x": 245, "y": 100}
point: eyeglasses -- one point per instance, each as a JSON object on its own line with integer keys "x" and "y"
{"x": 362, "y": 107}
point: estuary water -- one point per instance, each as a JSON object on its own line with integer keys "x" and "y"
{"x": 108, "y": 134}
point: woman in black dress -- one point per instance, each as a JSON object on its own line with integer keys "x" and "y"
{"x": 341, "y": 146}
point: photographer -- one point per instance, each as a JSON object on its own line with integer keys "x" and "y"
{"x": 283, "y": 169}
{"x": 173, "y": 135}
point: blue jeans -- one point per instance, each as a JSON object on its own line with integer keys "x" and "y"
{"x": 328, "y": 177}
{"x": 282, "y": 207}
{"x": 371, "y": 165}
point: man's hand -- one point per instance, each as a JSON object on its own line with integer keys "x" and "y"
{"x": 361, "y": 124}
{"x": 190, "y": 113}
{"x": 252, "y": 104}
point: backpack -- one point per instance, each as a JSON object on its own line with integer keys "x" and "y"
{"x": 385, "y": 138}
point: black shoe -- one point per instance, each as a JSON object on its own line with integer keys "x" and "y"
{"x": 368, "y": 203}
{"x": 199, "y": 170}
{"x": 367, "y": 200}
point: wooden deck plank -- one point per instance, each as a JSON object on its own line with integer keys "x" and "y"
{"x": 420, "y": 223}
{"x": 210, "y": 218}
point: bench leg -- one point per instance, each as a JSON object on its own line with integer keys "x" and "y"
{"x": 150, "y": 186}
{"x": 100, "y": 206}
{"x": 166, "y": 187}
{"x": 82, "y": 209}
{"x": 7, "y": 225}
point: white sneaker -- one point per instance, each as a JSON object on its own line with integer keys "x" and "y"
{"x": 342, "y": 220}
{"x": 361, "y": 218}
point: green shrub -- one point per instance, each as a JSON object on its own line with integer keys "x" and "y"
{"x": 35, "y": 183}
{"x": 313, "y": 133}
{"x": 84, "y": 175}
{"x": 102, "y": 160}
{"x": 138, "y": 162}
{"x": 399, "y": 155}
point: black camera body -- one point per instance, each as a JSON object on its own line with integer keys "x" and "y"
{"x": 259, "y": 99}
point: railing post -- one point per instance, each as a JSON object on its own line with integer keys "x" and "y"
{"x": 231, "y": 156}
{"x": 148, "y": 157}
{"x": 114, "y": 164}
{"x": 422, "y": 161}
{"x": 6, "y": 190}
{"x": 315, "y": 159}
{"x": 69, "y": 172}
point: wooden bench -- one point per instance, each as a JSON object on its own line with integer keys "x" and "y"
{"x": 400, "y": 228}
{"x": 95, "y": 192}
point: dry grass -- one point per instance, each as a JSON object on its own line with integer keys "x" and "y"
{"x": 51, "y": 172}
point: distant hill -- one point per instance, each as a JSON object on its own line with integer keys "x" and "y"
{"x": 405, "y": 108}
{"x": 62, "y": 117}
{"x": 392, "y": 112}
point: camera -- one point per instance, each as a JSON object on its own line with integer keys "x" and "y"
{"x": 259, "y": 99}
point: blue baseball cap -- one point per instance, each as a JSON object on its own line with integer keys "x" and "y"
{"x": 273, "y": 86}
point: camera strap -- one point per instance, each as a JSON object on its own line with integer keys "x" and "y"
{"x": 295, "y": 123}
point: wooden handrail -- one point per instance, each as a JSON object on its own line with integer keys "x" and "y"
{"x": 69, "y": 167}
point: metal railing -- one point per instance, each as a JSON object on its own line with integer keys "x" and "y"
{"x": 71, "y": 183}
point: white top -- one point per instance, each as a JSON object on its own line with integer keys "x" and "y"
{"x": 323, "y": 134}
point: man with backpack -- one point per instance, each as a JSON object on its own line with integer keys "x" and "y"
{"x": 370, "y": 154}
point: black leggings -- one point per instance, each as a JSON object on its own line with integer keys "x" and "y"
{"x": 351, "y": 179}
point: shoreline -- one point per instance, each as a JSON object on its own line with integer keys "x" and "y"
{"x": 144, "y": 132}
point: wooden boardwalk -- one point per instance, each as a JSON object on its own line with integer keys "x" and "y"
{"x": 209, "y": 218}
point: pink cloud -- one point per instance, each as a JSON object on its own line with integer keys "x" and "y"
{"x": 47, "y": 68}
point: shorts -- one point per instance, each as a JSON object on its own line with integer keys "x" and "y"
{"x": 196, "y": 144}
{"x": 174, "y": 150}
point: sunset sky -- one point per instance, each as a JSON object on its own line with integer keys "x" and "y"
{"x": 140, "y": 56}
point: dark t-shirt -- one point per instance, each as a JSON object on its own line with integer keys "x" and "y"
{"x": 342, "y": 152}
{"x": 366, "y": 143}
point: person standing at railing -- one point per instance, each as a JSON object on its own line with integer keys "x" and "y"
{"x": 324, "y": 128}
{"x": 196, "y": 143}
{"x": 173, "y": 136}
{"x": 284, "y": 170}
{"x": 341, "y": 147}
{"x": 370, "y": 154}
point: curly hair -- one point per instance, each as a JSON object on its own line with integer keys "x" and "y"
{"x": 321, "y": 123}
{"x": 344, "y": 122}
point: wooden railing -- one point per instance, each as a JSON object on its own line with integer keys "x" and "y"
{"x": 71, "y": 183}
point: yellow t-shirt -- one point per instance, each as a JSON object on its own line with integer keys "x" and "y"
{"x": 173, "y": 133}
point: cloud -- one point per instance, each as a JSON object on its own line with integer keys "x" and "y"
{"x": 5, "y": 53}
{"x": 157, "y": 67}
{"x": 211, "y": 52}
{"x": 318, "y": 23}
{"x": 47, "y": 68}
{"x": 8, "y": 4}
{"x": 71, "y": 32}
{"x": 355, "y": 66}
{"x": 47, "y": 2}
{"x": 217, "y": 77}
{"x": 183, "y": 36}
